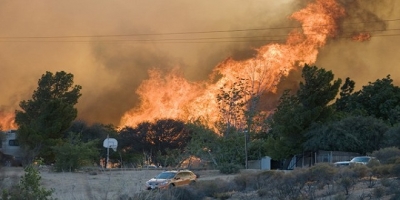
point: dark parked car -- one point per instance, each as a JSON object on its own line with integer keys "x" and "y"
{"x": 169, "y": 179}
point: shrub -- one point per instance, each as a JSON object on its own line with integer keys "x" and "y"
{"x": 183, "y": 193}
{"x": 386, "y": 182}
{"x": 243, "y": 181}
{"x": 361, "y": 171}
{"x": 379, "y": 192}
{"x": 289, "y": 186}
{"x": 250, "y": 181}
{"x": 322, "y": 173}
{"x": 382, "y": 170}
{"x": 211, "y": 188}
{"x": 384, "y": 155}
{"x": 396, "y": 170}
{"x": 229, "y": 168}
{"x": 346, "y": 178}
{"x": 268, "y": 182}
{"x": 177, "y": 193}
{"x": 223, "y": 195}
{"x": 394, "y": 189}
{"x": 373, "y": 163}
{"x": 74, "y": 154}
{"x": 28, "y": 187}
{"x": 208, "y": 188}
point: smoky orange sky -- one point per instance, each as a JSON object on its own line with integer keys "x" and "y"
{"x": 110, "y": 69}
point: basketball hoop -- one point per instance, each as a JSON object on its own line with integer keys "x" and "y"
{"x": 110, "y": 143}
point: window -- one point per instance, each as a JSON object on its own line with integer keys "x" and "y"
{"x": 13, "y": 143}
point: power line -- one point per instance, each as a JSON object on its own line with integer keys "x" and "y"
{"x": 180, "y": 33}
{"x": 176, "y": 42}
{"x": 277, "y": 38}
{"x": 231, "y": 39}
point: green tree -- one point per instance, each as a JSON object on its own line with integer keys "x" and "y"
{"x": 380, "y": 99}
{"x": 316, "y": 92}
{"x": 218, "y": 149}
{"x": 94, "y": 133}
{"x": 343, "y": 103}
{"x": 203, "y": 141}
{"x": 230, "y": 149}
{"x": 91, "y": 132}
{"x": 284, "y": 138}
{"x": 257, "y": 149}
{"x": 295, "y": 114}
{"x": 354, "y": 134}
{"x": 392, "y": 137}
{"x": 44, "y": 118}
{"x": 74, "y": 153}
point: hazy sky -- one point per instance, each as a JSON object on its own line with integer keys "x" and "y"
{"x": 110, "y": 71}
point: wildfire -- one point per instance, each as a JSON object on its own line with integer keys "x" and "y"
{"x": 361, "y": 37}
{"x": 172, "y": 96}
{"x": 7, "y": 121}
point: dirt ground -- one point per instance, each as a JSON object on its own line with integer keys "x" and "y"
{"x": 111, "y": 184}
{"x": 97, "y": 184}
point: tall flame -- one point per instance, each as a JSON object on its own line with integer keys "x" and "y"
{"x": 7, "y": 121}
{"x": 172, "y": 96}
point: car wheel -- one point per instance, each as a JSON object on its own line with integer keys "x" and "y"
{"x": 192, "y": 183}
{"x": 170, "y": 186}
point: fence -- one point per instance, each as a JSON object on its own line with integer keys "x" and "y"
{"x": 311, "y": 158}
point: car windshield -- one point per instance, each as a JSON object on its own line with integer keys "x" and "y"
{"x": 360, "y": 159}
{"x": 166, "y": 175}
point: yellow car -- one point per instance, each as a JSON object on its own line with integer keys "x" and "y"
{"x": 168, "y": 179}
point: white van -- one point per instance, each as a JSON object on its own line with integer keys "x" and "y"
{"x": 9, "y": 144}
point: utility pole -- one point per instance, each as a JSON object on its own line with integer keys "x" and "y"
{"x": 245, "y": 149}
{"x": 108, "y": 151}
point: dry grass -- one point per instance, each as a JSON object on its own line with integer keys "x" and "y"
{"x": 99, "y": 184}
{"x": 94, "y": 183}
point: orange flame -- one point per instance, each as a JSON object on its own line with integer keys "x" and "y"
{"x": 7, "y": 121}
{"x": 172, "y": 96}
{"x": 361, "y": 37}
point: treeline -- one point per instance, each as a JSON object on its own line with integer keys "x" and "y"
{"x": 327, "y": 115}
{"x": 323, "y": 114}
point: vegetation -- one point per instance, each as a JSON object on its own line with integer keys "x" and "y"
{"x": 44, "y": 118}
{"x": 29, "y": 187}
{"x": 321, "y": 181}
{"x": 151, "y": 142}
{"x": 73, "y": 154}
{"x": 322, "y": 114}
{"x": 229, "y": 168}
{"x": 296, "y": 114}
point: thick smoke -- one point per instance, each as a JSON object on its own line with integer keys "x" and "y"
{"x": 110, "y": 71}
{"x": 369, "y": 60}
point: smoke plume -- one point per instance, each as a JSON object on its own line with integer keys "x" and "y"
{"x": 120, "y": 41}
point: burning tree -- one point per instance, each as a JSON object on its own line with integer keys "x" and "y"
{"x": 157, "y": 141}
